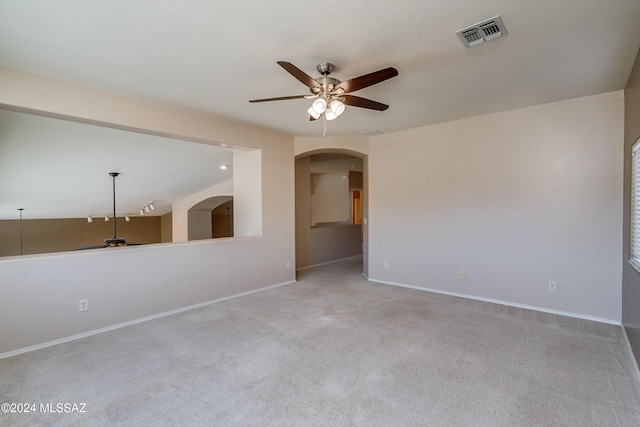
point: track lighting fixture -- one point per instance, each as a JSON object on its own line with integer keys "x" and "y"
{"x": 147, "y": 208}
{"x": 107, "y": 218}
{"x": 127, "y": 217}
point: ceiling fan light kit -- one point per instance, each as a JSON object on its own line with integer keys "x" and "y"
{"x": 331, "y": 95}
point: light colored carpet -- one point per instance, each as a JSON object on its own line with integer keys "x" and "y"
{"x": 336, "y": 350}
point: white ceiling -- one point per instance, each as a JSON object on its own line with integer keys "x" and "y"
{"x": 59, "y": 169}
{"x": 214, "y": 56}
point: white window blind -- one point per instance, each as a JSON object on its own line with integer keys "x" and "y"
{"x": 635, "y": 205}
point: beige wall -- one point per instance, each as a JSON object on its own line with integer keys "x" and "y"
{"x": 514, "y": 199}
{"x": 329, "y": 198}
{"x": 39, "y": 294}
{"x": 166, "y": 228}
{"x": 631, "y": 277}
{"x": 349, "y": 145}
{"x": 222, "y": 220}
{"x": 58, "y": 235}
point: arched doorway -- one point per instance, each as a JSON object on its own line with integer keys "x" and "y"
{"x": 331, "y": 207}
{"x": 211, "y": 218}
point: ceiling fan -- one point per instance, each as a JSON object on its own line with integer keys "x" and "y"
{"x": 112, "y": 241}
{"x": 330, "y": 94}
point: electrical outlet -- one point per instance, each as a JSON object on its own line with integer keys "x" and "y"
{"x": 386, "y": 264}
{"x": 552, "y": 286}
{"x": 83, "y": 305}
{"x": 462, "y": 274}
{"x": 288, "y": 264}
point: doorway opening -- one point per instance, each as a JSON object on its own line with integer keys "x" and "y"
{"x": 330, "y": 207}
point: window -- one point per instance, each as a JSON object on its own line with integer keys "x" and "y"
{"x": 634, "y": 252}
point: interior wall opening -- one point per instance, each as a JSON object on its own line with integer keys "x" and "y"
{"x": 330, "y": 207}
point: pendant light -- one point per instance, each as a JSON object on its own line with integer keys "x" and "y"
{"x": 114, "y": 241}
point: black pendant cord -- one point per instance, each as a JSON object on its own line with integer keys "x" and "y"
{"x": 113, "y": 175}
{"x": 115, "y": 241}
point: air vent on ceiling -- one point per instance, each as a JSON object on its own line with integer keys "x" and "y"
{"x": 482, "y": 32}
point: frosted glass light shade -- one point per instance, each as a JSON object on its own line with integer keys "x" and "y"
{"x": 319, "y": 105}
{"x": 312, "y": 113}
{"x": 337, "y": 107}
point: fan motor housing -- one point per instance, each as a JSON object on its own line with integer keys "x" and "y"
{"x": 325, "y": 68}
{"x": 326, "y": 84}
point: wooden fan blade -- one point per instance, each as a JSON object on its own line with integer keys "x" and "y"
{"x": 281, "y": 98}
{"x": 367, "y": 80}
{"x": 357, "y": 101}
{"x": 296, "y": 72}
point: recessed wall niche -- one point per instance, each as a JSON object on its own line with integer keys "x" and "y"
{"x": 336, "y": 186}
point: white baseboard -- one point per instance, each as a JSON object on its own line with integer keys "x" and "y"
{"x": 135, "y": 321}
{"x": 501, "y": 302}
{"x": 329, "y": 262}
{"x": 633, "y": 359}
